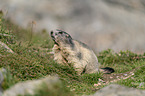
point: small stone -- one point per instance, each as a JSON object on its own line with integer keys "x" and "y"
{"x": 118, "y": 90}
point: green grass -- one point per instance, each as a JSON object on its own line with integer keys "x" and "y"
{"x": 122, "y": 61}
{"x": 32, "y": 61}
{"x": 138, "y": 80}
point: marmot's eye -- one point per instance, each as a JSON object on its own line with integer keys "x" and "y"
{"x": 51, "y": 32}
{"x": 60, "y": 32}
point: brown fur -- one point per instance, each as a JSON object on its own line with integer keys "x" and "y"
{"x": 76, "y": 53}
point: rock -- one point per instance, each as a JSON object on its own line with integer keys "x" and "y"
{"x": 2, "y": 76}
{"x": 101, "y": 24}
{"x": 118, "y": 90}
{"x": 5, "y": 47}
{"x": 31, "y": 86}
{"x": 2, "y": 70}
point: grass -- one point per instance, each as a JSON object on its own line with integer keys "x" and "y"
{"x": 138, "y": 80}
{"x": 121, "y": 61}
{"x": 32, "y": 61}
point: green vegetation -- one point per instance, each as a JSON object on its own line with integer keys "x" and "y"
{"x": 122, "y": 61}
{"x": 33, "y": 61}
{"x": 125, "y": 61}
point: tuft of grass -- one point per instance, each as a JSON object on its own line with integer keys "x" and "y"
{"x": 91, "y": 78}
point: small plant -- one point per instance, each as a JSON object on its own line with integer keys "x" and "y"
{"x": 6, "y": 35}
{"x": 91, "y": 78}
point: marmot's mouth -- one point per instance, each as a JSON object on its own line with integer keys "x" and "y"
{"x": 58, "y": 34}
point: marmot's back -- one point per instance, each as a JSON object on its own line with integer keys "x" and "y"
{"x": 86, "y": 57}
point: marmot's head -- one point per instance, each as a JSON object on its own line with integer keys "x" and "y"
{"x": 62, "y": 38}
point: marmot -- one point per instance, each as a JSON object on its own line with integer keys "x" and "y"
{"x": 69, "y": 51}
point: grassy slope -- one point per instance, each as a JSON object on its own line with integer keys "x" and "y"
{"x": 32, "y": 61}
